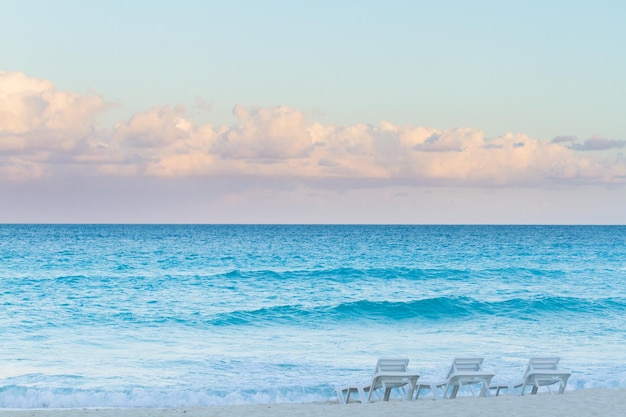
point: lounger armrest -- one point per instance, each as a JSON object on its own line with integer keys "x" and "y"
{"x": 388, "y": 380}
{"x": 546, "y": 378}
{"x": 395, "y": 376}
{"x": 406, "y": 374}
{"x": 472, "y": 376}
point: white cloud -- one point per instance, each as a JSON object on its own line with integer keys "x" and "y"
{"x": 44, "y": 132}
{"x": 34, "y": 116}
{"x": 265, "y": 133}
{"x": 159, "y": 142}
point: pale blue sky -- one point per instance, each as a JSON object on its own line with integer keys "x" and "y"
{"x": 341, "y": 105}
{"x": 544, "y": 68}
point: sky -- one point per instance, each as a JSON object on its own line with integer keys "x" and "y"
{"x": 414, "y": 112}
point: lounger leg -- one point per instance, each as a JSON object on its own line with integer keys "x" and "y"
{"x": 350, "y": 391}
{"x": 387, "y": 393}
{"x": 344, "y": 394}
{"x": 406, "y": 394}
{"x": 483, "y": 390}
{"x": 362, "y": 395}
{"x": 411, "y": 391}
{"x": 371, "y": 392}
{"x": 339, "y": 392}
{"x": 455, "y": 389}
{"x": 437, "y": 393}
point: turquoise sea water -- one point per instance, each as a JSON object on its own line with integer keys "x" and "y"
{"x": 168, "y": 316}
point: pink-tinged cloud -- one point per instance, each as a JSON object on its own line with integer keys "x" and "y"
{"x": 265, "y": 133}
{"x": 41, "y": 126}
{"x": 162, "y": 141}
{"x": 35, "y": 116}
{"x": 49, "y": 132}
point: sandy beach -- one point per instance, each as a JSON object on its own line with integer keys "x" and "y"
{"x": 590, "y": 402}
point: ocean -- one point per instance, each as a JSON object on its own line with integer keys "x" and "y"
{"x": 201, "y": 315}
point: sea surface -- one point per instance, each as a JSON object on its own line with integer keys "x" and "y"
{"x": 200, "y": 315}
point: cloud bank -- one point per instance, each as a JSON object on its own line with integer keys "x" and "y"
{"x": 49, "y": 133}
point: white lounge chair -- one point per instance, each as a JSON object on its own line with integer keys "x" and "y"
{"x": 463, "y": 372}
{"x": 390, "y": 373}
{"x": 540, "y": 372}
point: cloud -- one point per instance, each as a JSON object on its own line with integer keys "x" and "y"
{"x": 35, "y": 117}
{"x": 598, "y": 143}
{"x": 41, "y": 128}
{"x": 46, "y": 132}
{"x": 454, "y": 140}
{"x": 162, "y": 141}
{"x": 565, "y": 139}
{"x": 265, "y": 133}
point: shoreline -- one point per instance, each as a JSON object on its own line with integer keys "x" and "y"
{"x": 585, "y": 402}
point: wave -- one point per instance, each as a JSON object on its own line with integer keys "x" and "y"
{"x": 337, "y": 274}
{"x": 49, "y": 394}
{"x": 264, "y": 275}
{"x": 346, "y": 274}
{"x": 438, "y": 308}
{"x": 26, "y": 397}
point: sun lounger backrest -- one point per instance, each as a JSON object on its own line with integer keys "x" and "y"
{"x": 465, "y": 365}
{"x": 543, "y": 364}
{"x": 392, "y": 365}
